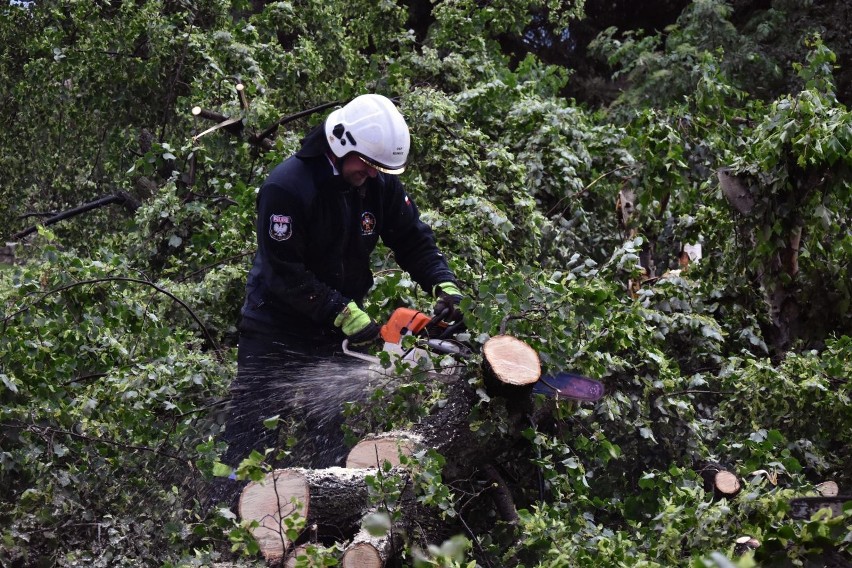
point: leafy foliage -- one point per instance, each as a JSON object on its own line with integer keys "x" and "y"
{"x": 118, "y": 329}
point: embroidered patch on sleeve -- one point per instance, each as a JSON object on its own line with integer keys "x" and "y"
{"x": 280, "y": 227}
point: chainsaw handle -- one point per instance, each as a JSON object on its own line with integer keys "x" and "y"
{"x": 358, "y": 354}
{"x": 437, "y": 319}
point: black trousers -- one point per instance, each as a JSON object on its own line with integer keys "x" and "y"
{"x": 294, "y": 379}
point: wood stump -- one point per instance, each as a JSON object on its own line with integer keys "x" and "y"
{"x": 721, "y": 482}
{"x": 511, "y": 361}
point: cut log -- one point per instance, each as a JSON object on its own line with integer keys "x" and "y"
{"x": 368, "y": 551}
{"x": 726, "y": 483}
{"x": 374, "y": 451}
{"x": 281, "y": 493}
{"x": 828, "y": 489}
{"x": 363, "y": 555}
{"x": 333, "y": 499}
{"x": 336, "y": 503}
{"x": 745, "y": 544}
{"x": 721, "y": 482}
{"x": 511, "y": 361}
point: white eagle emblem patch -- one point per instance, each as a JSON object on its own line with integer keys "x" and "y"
{"x": 280, "y": 227}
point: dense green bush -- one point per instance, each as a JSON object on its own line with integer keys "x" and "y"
{"x": 117, "y": 329}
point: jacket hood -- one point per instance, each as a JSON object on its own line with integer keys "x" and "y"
{"x": 314, "y": 143}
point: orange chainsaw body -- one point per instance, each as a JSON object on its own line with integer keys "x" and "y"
{"x": 402, "y": 322}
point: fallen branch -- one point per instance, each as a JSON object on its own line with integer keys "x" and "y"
{"x": 121, "y": 197}
{"x": 235, "y": 125}
{"x": 204, "y": 330}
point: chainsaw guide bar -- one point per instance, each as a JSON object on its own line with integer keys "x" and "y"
{"x": 569, "y": 385}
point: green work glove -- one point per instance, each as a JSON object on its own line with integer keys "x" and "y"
{"x": 449, "y": 296}
{"x": 357, "y": 326}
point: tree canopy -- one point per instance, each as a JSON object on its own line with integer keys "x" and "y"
{"x": 570, "y": 161}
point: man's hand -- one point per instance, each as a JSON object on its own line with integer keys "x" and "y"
{"x": 359, "y": 329}
{"x": 370, "y": 335}
{"x": 448, "y": 300}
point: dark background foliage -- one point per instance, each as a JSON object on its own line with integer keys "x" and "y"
{"x": 564, "y": 152}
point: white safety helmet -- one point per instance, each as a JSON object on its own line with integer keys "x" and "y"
{"x": 372, "y": 127}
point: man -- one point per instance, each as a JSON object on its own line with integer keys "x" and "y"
{"x": 320, "y": 214}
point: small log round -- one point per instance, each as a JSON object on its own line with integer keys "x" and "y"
{"x": 721, "y": 482}
{"x": 726, "y": 483}
{"x": 362, "y": 555}
{"x": 368, "y": 549}
{"x": 745, "y": 544}
{"x": 828, "y": 489}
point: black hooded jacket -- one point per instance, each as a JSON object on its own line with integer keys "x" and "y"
{"x": 315, "y": 234}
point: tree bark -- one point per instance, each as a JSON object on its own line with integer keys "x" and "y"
{"x": 736, "y": 191}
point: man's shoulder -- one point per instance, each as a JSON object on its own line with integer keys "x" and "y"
{"x": 294, "y": 176}
{"x": 292, "y": 172}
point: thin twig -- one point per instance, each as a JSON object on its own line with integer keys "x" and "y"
{"x": 49, "y": 431}
{"x": 121, "y": 197}
{"x": 584, "y": 190}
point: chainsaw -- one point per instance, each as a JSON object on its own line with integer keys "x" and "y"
{"x": 434, "y": 336}
{"x": 431, "y": 336}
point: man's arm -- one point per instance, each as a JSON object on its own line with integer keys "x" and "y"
{"x": 283, "y": 217}
{"x": 412, "y": 241}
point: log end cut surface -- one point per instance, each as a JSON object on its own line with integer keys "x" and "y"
{"x": 373, "y": 453}
{"x": 281, "y": 493}
{"x": 727, "y": 483}
{"x": 512, "y": 361}
{"x": 362, "y": 555}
